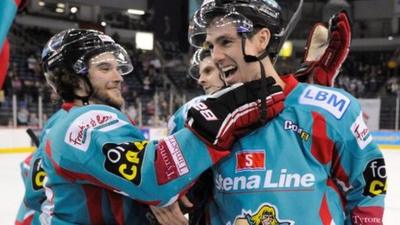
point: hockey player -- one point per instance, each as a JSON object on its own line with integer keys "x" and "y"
{"x": 315, "y": 69}
{"x": 205, "y": 72}
{"x": 33, "y": 176}
{"x": 96, "y": 148}
{"x": 209, "y": 77}
{"x": 316, "y": 163}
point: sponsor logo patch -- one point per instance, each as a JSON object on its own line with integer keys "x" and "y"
{"x": 250, "y": 160}
{"x": 290, "y": 125}
{"x": 361, "y": 132}
{"x": 334, "y": 102}
{"x": 375, "y": 178}
{"x": 170, "y": 162}
{"x": 266, "y": 213}
{"x": 79, "y": 132}
{"x": 283, "y": 181}
{"x": 38, "y": 174}
{"x": 370, "y": 215}
{"x": 125, "y": 160}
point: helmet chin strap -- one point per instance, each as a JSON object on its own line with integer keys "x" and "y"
{"x": 85, "y": 99}
{"x": 263, "y": 91}
{"x": 251, "y": 58}
{"x": 222, "y": 78}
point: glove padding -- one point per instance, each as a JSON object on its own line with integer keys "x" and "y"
{"x": 325, "y": 51}
{"x": 233, "y": 112}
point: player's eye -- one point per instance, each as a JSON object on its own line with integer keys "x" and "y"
{"x": 225, "y": 42}
{"x": 105, "y": 68}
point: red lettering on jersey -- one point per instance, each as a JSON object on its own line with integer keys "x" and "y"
{"x": 367, "y": 215}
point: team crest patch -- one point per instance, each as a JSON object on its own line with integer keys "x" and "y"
{"x": 79, "y": 132}
{"x": 332, "y": 101}
{"x": 125, "y": 160}
{"x": 266, "y": 214}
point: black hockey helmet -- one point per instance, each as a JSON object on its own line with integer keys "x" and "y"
{"x": 245, "y": 14}
{"x": 197, "y": 57}
{"x": 70, "y": 50}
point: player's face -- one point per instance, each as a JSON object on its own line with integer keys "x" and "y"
{"x": 106, "y": 79}
{"x": 226, "y": 52}
{"x": 209, "y": 79}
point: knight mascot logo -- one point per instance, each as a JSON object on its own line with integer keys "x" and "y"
{"x": 265, "y": 215}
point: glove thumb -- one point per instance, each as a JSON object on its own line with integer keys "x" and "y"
{"x": 317, "y": 43}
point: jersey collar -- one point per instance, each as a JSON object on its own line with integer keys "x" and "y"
{"x": 290, "y": 82}
{"x": 67, "y": 106}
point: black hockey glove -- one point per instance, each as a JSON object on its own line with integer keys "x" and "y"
{"x": 235, "y": 111}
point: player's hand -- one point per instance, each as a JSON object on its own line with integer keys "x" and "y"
{"x": 235, "y": 111}
{"x": 326, "y": 50}
{"x": 172, "y": 214}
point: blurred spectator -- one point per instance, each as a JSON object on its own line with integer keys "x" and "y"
{"x": 32, "y": 63}
{"x": 392, "y": 86}
{"x": 148, "y": 85}
{"x": 150, "y": 108}
{"x": 154, "y": 75}
{"x": 22, "y": 116}
{"x": 33, "y": 120}
{"x": 155, "y": 62}
{"x": 16, "y": 85}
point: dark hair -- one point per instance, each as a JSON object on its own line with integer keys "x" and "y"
{"x": 66, "y": 84}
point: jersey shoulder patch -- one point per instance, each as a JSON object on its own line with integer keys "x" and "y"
{"x": 361, "y": 132}
{"x": 79, "y": 132}
{"x": 331, "y": 100}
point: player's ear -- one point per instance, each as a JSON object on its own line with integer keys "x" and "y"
{"x": 82, "y": 87}
{"x": 263, "y": 36}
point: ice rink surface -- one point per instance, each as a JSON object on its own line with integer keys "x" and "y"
{"x": 12, "y": 188}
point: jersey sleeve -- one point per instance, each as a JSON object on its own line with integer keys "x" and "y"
{"x": 177, "y": 121}
{"x": 357, "y": 167}
{"x": 34, "y": 192}
{"x": 102, "y": 148}
{"x": 33, "y": 171}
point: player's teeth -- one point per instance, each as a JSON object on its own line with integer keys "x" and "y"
{"x": 226, "y": 69}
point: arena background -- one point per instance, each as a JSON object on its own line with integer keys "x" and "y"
{"x": 155, "y": 34}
